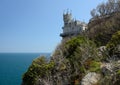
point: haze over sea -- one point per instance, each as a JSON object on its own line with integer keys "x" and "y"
{"x": 13, "y": 65}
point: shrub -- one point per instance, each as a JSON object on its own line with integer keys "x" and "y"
{"x": 94, "y": 66}
{"x": 112, "y": 44}
{"x": 39, "y": 68}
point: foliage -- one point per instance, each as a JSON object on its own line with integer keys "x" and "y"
{"x": 39, "y": 68}
{"x": 72, "y": 45}
{"x": 94, "y": 66}
{"x": 105, "y": 22}
{"x": 114, "y": 42}
{"x": 78, "y": 46}
{"x": 70, "y": 57}
{"x": 118, "y": 72}
{"x": 103, "y": 9}
{"x": 78, "y": 51}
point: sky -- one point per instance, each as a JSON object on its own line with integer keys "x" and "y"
{"x": 35, "y": 25}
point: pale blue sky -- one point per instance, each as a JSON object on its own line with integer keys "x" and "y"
{"x": 35, "y": 25}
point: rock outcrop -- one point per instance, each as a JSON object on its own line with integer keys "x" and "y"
{"x": 91, "y": 78}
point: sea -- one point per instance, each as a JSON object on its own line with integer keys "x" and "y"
{"x": 14, "y": 65}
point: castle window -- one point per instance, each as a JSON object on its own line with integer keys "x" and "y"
{"x": 75, "y": 23}
{"x": 66, "y": 24}
{"x": 70, "y": 24}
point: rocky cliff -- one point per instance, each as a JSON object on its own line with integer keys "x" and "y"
{"x": 77, "y": 62}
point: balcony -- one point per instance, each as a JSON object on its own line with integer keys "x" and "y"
{"x": 69, "y": 34}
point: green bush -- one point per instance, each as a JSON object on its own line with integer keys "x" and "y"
{"x": 39, "y": 68}
{"x": 78, "y": 51}
{"x": 74, "y": 45}
{"x": 94, "y": 66}
{"x": 112, "y": 44}
{"x": 118, "y": 72}
{"x": 115, "y": 40}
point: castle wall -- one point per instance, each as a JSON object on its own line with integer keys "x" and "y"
{"x": 72, "y": 27}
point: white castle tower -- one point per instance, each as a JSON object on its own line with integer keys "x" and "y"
{"x": 72, "y": 27}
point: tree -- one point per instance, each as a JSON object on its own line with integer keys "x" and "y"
{"x": 93, "y": 13}
{"x": 107, "y": 8}
{"x": 101, "y": 9}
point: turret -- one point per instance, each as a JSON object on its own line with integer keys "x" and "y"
{"x": 67, "y": 18}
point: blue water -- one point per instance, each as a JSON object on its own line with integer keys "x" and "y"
{"x": 13, "y": 65}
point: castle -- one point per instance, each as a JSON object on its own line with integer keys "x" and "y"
{"x": 72, "y": 27}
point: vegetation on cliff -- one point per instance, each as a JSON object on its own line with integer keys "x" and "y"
{"x": 72, "y": 60}
{"x": 105, "y": 22}
{"x": 39, "y": 68}
{"x": 114, "y": 44}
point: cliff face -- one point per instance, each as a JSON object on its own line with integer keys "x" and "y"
{"x": 70, "y": 59}
{"x": 67, "y": 65}
{"x": 76, "y": 62}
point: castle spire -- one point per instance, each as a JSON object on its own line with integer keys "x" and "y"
{"x": 64, "y": 12}
{"x": 67, "y": 11}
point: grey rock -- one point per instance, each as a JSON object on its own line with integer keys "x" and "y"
{"x": 90, "y": 79}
